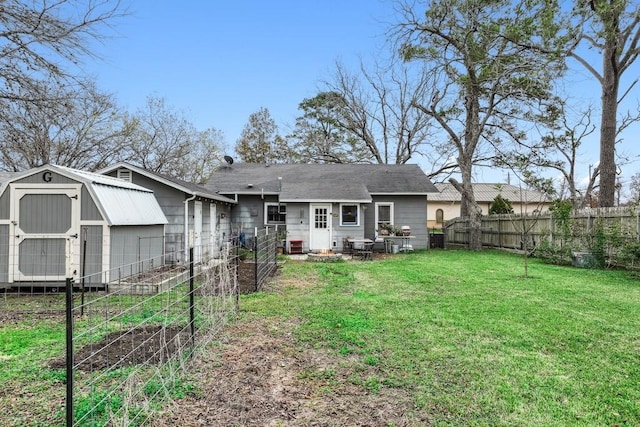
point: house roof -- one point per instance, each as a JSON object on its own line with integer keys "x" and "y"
{"x": 120, "y": 202}
{"x": 485, "y": 193}
{"x": 179, "y": 184}
{"x": 321, "y": 182}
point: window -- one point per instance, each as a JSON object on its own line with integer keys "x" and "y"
{"x": 384, "y": 214}
{"x": 349, "y": 214}
{"x": 276, "y": 213}
{"x": 439, "y": 216}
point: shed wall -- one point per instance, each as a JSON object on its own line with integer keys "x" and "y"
{"x": 5, "y": 204}
{"x": 4, "y": 253}
{"x": 91, "y": 254}
{"x": 52, "y": 178}
{"x": 135, "y": 249}
{"x": 88, "y": 209}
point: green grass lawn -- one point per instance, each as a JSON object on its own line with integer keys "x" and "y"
{"x": 472, "y": 340}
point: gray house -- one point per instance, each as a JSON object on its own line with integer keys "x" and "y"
{"x": 57, "y": 222}
{"x": 321, "y": 204}
{"x": 193, "y": 212}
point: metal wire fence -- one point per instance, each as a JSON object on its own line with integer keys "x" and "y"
{"x": 128, "y": 342}
{"x": 128, "y": 346}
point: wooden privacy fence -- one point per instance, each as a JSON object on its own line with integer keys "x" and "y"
{"x": 614, "y": 226}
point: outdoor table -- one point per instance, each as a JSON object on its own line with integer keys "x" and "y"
{"x": 404, "y": 243}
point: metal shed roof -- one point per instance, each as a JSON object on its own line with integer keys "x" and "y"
{"x": 121, "y": 202}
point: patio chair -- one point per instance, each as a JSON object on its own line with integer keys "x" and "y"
{"x": 364, "y": 251}
{"x": 347, "y": 248}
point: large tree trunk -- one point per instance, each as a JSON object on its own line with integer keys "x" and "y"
{"x": 608, "y": 126}
{"x": 470, "y": 210}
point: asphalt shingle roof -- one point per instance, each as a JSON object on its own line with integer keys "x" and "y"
{"x": 326, "y": 182}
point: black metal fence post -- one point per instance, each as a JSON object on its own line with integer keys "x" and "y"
{"x": 69, "y": 351}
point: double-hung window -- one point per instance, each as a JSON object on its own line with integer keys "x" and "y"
{"x": 276, "y": 213}
{"x": 384, "y": 214}
{"x": 349, "y": 214}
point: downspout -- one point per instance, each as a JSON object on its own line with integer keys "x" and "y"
{"x": 186, "y": 227}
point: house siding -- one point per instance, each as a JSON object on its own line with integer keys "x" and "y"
{"x": 408, "y": 210}
{"x": 249, "y": 214}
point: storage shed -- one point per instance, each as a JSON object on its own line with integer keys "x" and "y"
{"x": 57, "y": 222}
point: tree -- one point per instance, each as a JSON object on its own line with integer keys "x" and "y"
{"x": 634, "y": 187}
{"x": 260, "y": 142}
{"x": 500, "y": 205}
{"x": 84, "y": 129}
{"x": 557, "y": 149}
{"x": 486, "y": 79}
{"x": 372, "y": 115}
{"x": 164, "y": 141}
{"x": 41, "y": 41}
{"x": 318, "y": 136}
{"x": 612, "y": 29}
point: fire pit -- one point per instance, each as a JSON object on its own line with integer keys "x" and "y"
{"x": 324, "y": 256}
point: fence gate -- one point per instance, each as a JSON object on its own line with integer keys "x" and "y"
{"x": 45, "y": 224}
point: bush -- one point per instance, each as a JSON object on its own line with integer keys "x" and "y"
{"x": 500, "y": 205}
{"x": 553, "y": 254}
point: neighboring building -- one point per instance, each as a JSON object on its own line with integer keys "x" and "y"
{"x": 321, "y": 204}
{"x": 446, "y": 204}
{"x": 58, "y": 223}
{"x": 194, "y": 213}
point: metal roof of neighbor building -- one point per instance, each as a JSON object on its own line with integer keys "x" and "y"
{"x": 327, "y": 182}
{"x": 179, "y": 184}
{"x": 487, "y": 192}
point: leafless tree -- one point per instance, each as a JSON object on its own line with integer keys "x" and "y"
{"x": 164, "y": 141}
{"x": 78, "y": 126}
{"x": 373, "y": 110}
{"x": 44, "y": 41}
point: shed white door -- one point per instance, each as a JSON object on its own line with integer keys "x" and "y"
{"x": 45, "y": 235}
{"x": 320, "y": 235}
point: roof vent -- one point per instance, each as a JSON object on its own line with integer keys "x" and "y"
{"x": 125, "y": 175}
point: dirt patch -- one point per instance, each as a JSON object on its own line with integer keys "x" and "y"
{"x": 150, "y": 344}
{"x": 246, "y": 277}
{"x": 262, "y": 377}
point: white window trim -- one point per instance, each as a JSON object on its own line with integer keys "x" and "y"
{"x": 391, "y": 215}
{"x": 357, "y": 224}
{"x": 266, "y": 213}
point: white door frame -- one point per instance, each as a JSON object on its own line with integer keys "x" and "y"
{"x": 320, "y": 238}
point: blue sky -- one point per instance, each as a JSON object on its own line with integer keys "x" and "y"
{"x": 220, "y": 61}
